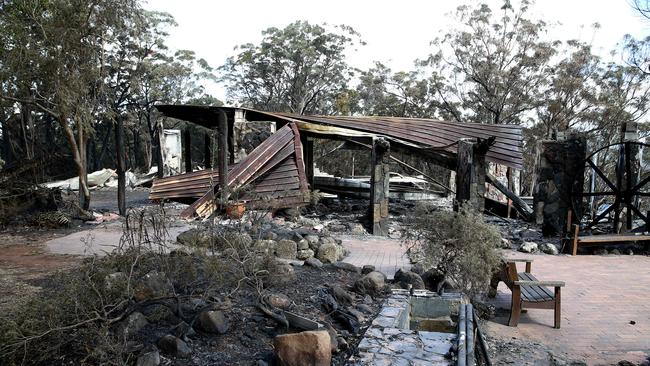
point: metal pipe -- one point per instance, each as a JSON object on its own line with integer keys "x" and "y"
{"x": 462, "y": 351}
{"x": 469, "y": 331}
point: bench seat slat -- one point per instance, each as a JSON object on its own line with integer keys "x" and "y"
{"x": 533, "y": 293}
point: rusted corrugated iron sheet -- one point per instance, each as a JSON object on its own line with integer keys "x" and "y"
{"x": 272, "y": 170}
{"x": 413, "y": 132}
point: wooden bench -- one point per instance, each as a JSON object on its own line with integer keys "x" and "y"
{"x": 591, "y": 240}
{"x": 528, "y": 291}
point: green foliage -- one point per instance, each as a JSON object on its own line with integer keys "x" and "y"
{"x": 300, "y": 68}
{"x": 460, "y": 246}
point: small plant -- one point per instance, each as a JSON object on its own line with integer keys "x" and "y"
{"x": 458, "y": 246}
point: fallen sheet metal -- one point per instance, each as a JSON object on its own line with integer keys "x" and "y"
{"x": 272, "y": 171}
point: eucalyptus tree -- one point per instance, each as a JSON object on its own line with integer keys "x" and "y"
{"x": 300, "y": 68}
{"x": 491, "y": 68}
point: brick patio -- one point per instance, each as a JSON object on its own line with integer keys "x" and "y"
{"x": 603, "y": 294}
{"x": 385, "y": 254}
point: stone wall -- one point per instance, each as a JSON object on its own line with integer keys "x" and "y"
{"x": 559, "y": 182}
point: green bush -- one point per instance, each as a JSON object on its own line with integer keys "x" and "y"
{"x": 459, "y": 246}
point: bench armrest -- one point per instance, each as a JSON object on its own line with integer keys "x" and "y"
{"x": 526, "y": 260}
{"x": 541, "y": 283}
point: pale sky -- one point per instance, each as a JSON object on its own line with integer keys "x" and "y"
{"x": 396, "y": 32}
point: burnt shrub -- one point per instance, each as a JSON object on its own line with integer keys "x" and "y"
{"x": 458, "y": 247}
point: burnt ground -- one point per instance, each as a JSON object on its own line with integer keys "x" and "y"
{"x": 24, "y": 260}
{"x": 251, "y": 334}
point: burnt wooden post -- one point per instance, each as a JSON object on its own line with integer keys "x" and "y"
{"x": 187, "y": 142}
{"x": 470, "y": 175}
{"x": 628, "y": 177}
{"x": 121, "y": 178}
{"x": 160, "y": 154}
{"x": 222, "y": 125}
{"x": 308, "y": 158}
{"x": 230, "y": 133}
{"x": 379, "y": 186}
{"x": 207, "y": 152}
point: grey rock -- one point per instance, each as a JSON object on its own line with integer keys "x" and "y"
{"x": 174, "y": 346}
{"x": 280, "y": 301}
{"x": 153, "y": 284}
{"x": 367, "y": 269}
{"x": 303, "y": 244}
{"x": 601, "y": 251}
{"x": 405, "y": 278}
{"x": 549, "y": 248}
{"x": 371, "y": 284}
{"x": 194, "y": 237}
{"x": 505, "y": 243}
{"x": 286, "y": 249}
{"x": 528, "y": 247}
{"x": 328, "y": 253}
{"x": 213, "y": 322}
{"x": 347, "y": 267}
{"x": 295, "y": 236}
{"x": 149, "y": 358}
{"x": 615, "y": 252}
{"x": 269, "y": 235}
{"x": 305, "y": 254}
{"x": 133, "y": 324}
{"x": 342, "y": 296}
{"x": 356, "y": 229}
{"x": 182, "y": 330}
{"x": 282, "y": 274}
{"x": 312, "y": 240}
{"x": 364, "y": 308}
{"x": 337, "y": 227}
{"x": 313, "y": 262}
{"x": 265, "y": 246}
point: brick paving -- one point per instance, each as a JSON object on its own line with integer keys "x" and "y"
{"x": 385, "y": 254}
{"x": 603, "y": 295}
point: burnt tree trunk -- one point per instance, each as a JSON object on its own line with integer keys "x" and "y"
{"x": 119, "y": 157}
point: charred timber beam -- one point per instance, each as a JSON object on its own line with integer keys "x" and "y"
{"x": 379, "y": 186}
{"x": 521, "y": 206}
{"x": 207, "y": 152}
{"x": 121, "y": 168}
{"x": 222, "y": 124}
{"x": 308, "y": 158}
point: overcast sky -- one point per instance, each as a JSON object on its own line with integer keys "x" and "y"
{"x": 396, "y": 32}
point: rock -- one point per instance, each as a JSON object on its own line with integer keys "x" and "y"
{"x": 615, "y": 252}
{"x": 174, "y": 346}
{"x": 364, "y": 308}
{"x": 153, "y": 284}
{"x": 312, "y": 241}
{"x": 213, "y": 322}
{"x": 334, "y": 344}
{"x": 367, "y": 269}
{"x": 505, "y": 243}
{"x": 371, "y": 284}
{"x": 305, "y": 254}
{"x": 368, "y": 299}
{"x": 313, "y": 262}
{"x": 282, "y": 274}
{"x": 528, "y": 247}
{"x": 549, "y": 248}
{"x": 280, "y": 301}
{"x": 356, "y": 229}
{"x": 405, "y": 278}
{"x": 195, "y": 237}
{"x": 295, "y": 237}
{"x": 418, "y": 268}
{"x": 338, "y": 227}
{"x": 327, "y": 253}
{"x": 432, "y": 279}
{"x": 326, "y": 240}
{"x": 182, "y": 330}
{"x": 318, "y": 228}
{"x": 133, "y": 324}
{"x": 286, "y": 249}
{"x": 265, "y": 246}
{"x": 357, "y": 314}
{"x": 269, "y": 235}
{"x": 303, "y": 244}
{"x": 342, "y": 297}
{"x": 150, "y": 358}
{"x": 158, "y": 312}
{"x": 115, "y": 282}
{"x": 305, "y": 348}
{"x": 601, "y": 251}
{"x": 347, "y": 267}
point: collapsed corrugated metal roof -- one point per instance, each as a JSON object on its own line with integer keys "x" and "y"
{"x": 426, "y": 136}
{"x": 273, "y": 170}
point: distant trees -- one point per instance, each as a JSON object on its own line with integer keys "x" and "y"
{"x": 300, "y": 69}
{"x": 74, "y": 69}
